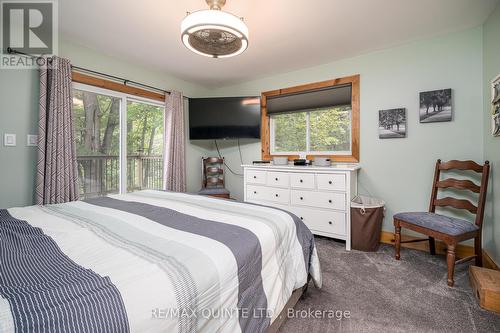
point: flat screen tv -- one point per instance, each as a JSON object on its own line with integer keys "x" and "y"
{"x": 224, "y": 118}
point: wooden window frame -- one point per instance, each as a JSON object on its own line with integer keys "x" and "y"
{"x": 265, "y": 118}
{"x": 115, "y": 86}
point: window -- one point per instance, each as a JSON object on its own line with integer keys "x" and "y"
{"x": 314, "y": 119}
{"x": 324, "y": 131}
{"x": 108, "y": 124}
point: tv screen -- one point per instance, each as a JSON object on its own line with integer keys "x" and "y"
{"x": 224, "y": 118}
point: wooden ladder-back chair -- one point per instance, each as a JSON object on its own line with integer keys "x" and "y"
{"x": 213, "y": 178}
{"x": 450, "y": 230}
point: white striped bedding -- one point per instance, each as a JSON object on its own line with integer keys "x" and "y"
{"x": 165, "y": 251}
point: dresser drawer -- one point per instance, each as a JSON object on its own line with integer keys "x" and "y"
{"x": 264, "y": 193}
{"x": 278, "y": 179}
{"x": 256, "y": 177}
{"x": 302, "y": 180}
{"x": 331, "y": 182}
{"x": 322, "y": 220}
{"x": 330, "y": 200}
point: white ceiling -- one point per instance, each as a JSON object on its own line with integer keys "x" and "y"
{"x": 285, "y": 35}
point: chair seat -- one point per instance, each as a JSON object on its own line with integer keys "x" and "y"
{"x": 440, "y": 223}
{"x": 213, "y": 191}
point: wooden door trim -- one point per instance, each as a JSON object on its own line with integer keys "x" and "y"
{"x": 115, "y": 86}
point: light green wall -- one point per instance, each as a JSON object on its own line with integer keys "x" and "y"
{"x": 109, "y": 64}
{"x": 19, "y": 115}
{"x": 491, "y": 60}
{"x": 397, "y": 170}
{"x": 18, "y": 102}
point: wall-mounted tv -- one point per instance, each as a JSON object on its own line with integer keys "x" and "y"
{"x": 224, "y": 118}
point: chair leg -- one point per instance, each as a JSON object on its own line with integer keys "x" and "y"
{"x": 397, "y": 241}
{"x": 432, "y": 246}
{"x": 451, "y": 263}
{"x": 478, "y": 251}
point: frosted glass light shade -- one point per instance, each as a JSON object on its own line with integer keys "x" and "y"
{"x": 214, "y": 33}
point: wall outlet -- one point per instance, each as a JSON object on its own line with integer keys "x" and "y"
{"x": 9, "y": 140}
{"x": 32, "y": 140}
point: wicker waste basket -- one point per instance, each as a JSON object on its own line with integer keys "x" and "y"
{"x": 367, "y": 215}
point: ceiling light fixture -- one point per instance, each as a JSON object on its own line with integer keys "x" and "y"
{"x": 214, "y": 33}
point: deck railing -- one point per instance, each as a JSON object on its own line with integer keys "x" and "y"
{"x": 100, "y": 175}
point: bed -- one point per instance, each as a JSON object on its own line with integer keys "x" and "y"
{"x": 151, "y": 261}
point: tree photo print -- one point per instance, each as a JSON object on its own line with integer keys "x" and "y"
{"x": 392, "y": 123}
{"x": 495, "y": 106}
{"x": 435, "y": 106}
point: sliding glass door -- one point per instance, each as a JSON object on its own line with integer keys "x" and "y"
{"x": 97, "y": 127}
{"x": 144, "y": 146}
{"x": 119, "y": 142}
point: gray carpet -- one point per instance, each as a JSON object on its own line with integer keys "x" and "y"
{"x": 385, "y": 295}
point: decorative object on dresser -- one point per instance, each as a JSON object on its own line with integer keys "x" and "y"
{"x": 280, "y": 160}
{"x": 449, "y": 229}
{"x": 213, "y": 178}
{"x": 320, "y": 196}
{"x": 436, "y": 106}
{"x": 486, "y": 286}
{"x": 322, "y": 161}
{"x": 301, "y": 162}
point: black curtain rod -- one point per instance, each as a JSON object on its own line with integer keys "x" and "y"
{"x": 81, "y": 69}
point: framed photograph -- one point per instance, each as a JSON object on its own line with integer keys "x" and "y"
{"x": 495, "y": 106}
{"x": 435, "y": 106}
{"x": 392, "y": 123}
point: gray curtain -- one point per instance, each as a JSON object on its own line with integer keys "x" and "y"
{"x": 57, "y": 174}
{"x": 174, "y": 175}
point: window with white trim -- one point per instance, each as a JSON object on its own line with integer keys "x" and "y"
{"x": 324, "y": 131}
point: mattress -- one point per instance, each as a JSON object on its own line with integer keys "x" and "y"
{"x": 150, "y": 261}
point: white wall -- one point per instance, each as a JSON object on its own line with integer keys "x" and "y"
{"x": 396, "y": 170}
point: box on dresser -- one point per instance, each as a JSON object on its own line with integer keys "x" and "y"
{"x": 320, "y": 196}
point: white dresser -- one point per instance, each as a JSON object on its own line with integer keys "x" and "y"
{"x": 320, "y": 196}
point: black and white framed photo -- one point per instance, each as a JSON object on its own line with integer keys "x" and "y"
{"x": 392, "y": 123}
{"x": 435, "y": 106}
{"x": 495, "y": 106}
